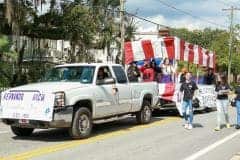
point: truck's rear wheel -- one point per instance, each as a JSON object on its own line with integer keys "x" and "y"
{"x": 82, "y": 124}
{"x": 18, "y": 131}
{"x": 145, "y": 114}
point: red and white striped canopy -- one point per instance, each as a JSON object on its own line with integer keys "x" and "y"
{"x": 169, "y": 47}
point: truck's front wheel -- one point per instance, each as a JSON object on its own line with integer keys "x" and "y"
{"x": 18, "y": 131}
{"x": 82, "y": 124}
{"x": 145, "y": 114}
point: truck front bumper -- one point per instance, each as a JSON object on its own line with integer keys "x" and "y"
{"x": 62, "y": 118}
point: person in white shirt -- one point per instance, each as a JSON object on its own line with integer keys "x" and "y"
{"x": 167, "y": 71}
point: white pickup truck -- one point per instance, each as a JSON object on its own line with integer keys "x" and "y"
{"x": 76, "y": 96}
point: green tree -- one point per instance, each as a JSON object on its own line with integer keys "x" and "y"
{"x": 105, "y": 13}
{"x": 7, "y": 59}
{"x": 80, "y": 29}
{"x": 18, "y": 14}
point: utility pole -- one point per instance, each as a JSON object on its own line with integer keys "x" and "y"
{"x": 232, "y": 9}
{"x": 122, "y": 10}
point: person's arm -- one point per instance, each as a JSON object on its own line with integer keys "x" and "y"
{"x": 227, "y": 90}
{"x": 180, "y": 95}
{"x": 173, "y": 69}
{"x": 219, "y": 91}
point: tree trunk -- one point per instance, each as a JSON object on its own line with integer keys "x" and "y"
{"x": 72, "y": 53}
{"x": 109, "y": 57}
{"x": 20, "y": 57}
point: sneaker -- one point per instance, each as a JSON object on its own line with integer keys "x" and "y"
{"x": 228, "y": 125}
{"x": 186, "y": 126}
{"x": 217, "y": 129}
{"x": 190, "y": 127}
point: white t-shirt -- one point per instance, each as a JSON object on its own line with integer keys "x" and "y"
{"x": 167, "y": 69}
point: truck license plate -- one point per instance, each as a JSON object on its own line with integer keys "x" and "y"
{"x": 23, "y": 121}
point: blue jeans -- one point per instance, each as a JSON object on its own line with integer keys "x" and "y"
{"x": 238, "y": 111}
{"x": 187, "y": 110}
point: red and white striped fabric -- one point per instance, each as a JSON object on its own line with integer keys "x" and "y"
{"x": 169, "y": 47}
{"x": 147, "y": 49}
{"x": 167, "y": 90}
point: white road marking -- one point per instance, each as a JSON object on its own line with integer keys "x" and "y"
{"x": 211, "y": 147}
{"x": 3, "y": 132}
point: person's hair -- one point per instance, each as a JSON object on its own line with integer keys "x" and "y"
{"x": 223, "y": 79}
{"x": 153, "y": 63}
{"x": 165, "y": 59}
{"x": 184, "y": 70}
{"x": 148, "y": 65}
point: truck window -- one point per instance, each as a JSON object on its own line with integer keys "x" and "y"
{"x": 82, "y": 74}
{"x": 120, "y": 74}
{"x": 103, "y": 72}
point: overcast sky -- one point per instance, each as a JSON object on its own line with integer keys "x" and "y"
{"x": 208, "y": 10}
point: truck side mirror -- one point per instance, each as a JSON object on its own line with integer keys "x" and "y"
{"x": 106, "y": 81}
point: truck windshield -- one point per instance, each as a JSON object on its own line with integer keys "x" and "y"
{"x": 83, "y": 74}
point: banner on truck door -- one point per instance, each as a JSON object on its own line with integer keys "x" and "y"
{"x": 27, "y": 105}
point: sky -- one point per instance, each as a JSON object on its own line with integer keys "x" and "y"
{"x": 203, "y": 11}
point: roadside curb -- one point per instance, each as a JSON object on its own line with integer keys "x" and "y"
{"x": 236, "y": 156}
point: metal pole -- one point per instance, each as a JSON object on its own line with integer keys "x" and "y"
{"x": 122, "y": 30}
{"x": 230, "y": 40}
{"x": 230, "y": 46}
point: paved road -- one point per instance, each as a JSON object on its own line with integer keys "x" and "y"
{"x": 165, "y": 138}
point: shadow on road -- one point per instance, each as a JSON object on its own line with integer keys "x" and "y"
{"x": 174, "y": 112}
{"x": 49, "y": 135}
{"x": 60, "y": 135}
{"x": 197, "y": 125}
{"x": 166, "y": 113}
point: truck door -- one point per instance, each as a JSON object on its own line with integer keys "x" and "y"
{"x": 106, "y": 99}
{"x": 123, "y": 90}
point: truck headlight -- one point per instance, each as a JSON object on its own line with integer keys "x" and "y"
{"x": 59, "y": 99}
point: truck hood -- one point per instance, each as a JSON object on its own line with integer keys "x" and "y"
{"x": 50, "y": 87}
